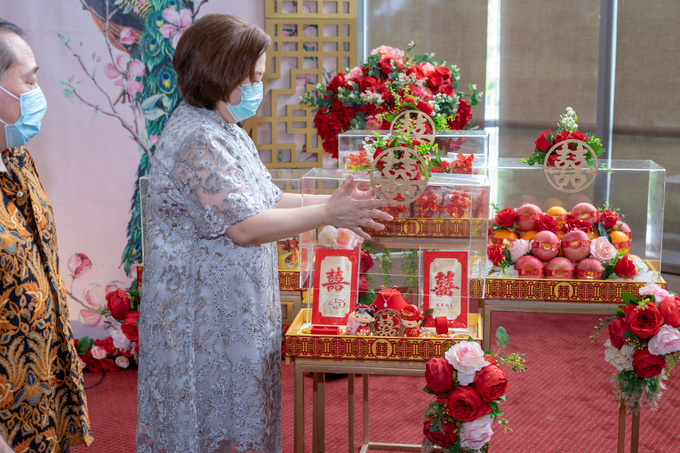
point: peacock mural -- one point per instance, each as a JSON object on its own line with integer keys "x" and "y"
{"x": 140, "y": 36}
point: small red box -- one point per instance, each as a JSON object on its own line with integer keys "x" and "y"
{"x": 442, "y": 325}
{"x": 325, "y": 330}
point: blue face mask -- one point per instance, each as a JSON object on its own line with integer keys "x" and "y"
{"x": 33, "y": 108}
{"x": 251, "y": 96}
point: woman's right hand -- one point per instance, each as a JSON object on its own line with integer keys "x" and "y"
{"x": 351, "y": 208}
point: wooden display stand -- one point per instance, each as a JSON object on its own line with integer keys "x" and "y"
{"x": 541, "y": 295}
{"x": 311, "y": 353}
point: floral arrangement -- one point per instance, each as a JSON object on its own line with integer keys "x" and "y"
{"x": 369, "y": 96}
{"x": 595, "y": 243}
{"x": 469, "y": 385}
{"x": 120, "y": 349}
{"x": 566, "y": 129}
{"x": 643, "y": 345}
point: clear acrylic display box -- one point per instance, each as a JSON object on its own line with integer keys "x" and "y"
{"x": 466, "y": 142}
{"x": 634, "y": 187}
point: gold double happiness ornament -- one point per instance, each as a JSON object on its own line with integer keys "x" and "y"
{"x": 571, "y": 172}
{"x": 415, "y": 123}
{"x": 399, "y": 175}
{"x": 387, "y": 324}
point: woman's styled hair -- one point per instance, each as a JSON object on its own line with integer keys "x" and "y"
{"x": 214, "y": 55}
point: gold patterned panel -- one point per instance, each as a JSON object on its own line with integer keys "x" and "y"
{"x": 312, "y": 9}
{"x": 334, "y": 46}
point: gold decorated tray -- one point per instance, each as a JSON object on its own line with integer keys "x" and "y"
{"x": 351, "y": 347}
{"x": 419, "y": 228}
{"x": 289, "y": 280}
{"x": 554, "y": 290}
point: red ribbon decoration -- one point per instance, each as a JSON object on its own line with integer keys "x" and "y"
{"x": 427, "y": 205}
{"x": 587, "y": 215}
{"x": 559, "y": 273}
{"x": 591, "y": 275}
{"x": 530, "y": 272}
{"x": 621, "y": 245}
{"x": 570, "y": 243}
{"x": 501, "y": 241}
{"x": 559, "y": 217}
{"x": 548, "y": 246}
{"x": 629, "y": 234}
{"x": 529, "y": 216}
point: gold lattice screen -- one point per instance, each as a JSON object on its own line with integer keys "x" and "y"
{"x": 311, "y": 42}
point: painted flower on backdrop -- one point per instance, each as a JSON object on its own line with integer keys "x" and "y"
{"x": 79, "y": 264}
{"x": 94, "y": 297}
{"x": 127, "y": 37}
{"x": 125, "y": 72}
{"x": 179, "y": 21}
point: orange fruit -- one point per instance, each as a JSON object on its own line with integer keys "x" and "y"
{"x": 592, "y": 235}
{"x": 529, "y": 235}
{"x": 505, "y": 237}
{"x": 557, "y": 212}
{"x": 620, "y": 240}
{"x": 560, "y": 235}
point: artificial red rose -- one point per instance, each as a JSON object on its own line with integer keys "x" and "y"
{"x": 447, "y": 90}
{"x": 546, "y": 222}
{"x": 647, "y": 365}
{"x": 435, "y": 80}
{"x": 565, "y": 135}
{"x": 495, "y": 254}
{"x": 386, "y": 66}
{"x": 616, "y": 330}
{"x": 491, "y": 383}
{"x": 363, "y": 285}
{"x": 93, "y": 364}
{"x": 466, "y": 404}
{"x": 463, "y": 116}
{"x": 369, "y": 83}
{"x": 577, "y": 135}
{"x": 366, "y": 262}
{"x": 542, "y": 143}
{"x": 644, "y": 322}
{"x": 129, "y": 326}
{"x": 552, "y": 159}
{"x": 441, "y": 439}
{"x": 608, "y": 219}
{"x": 109, "y": 365}
{"x": 417, "y": 70}
{"x": 670, "y": 310}
{"x": 336, "y": 82}
{"x": 107, "y": 344}
{"x": 506, "y": 218}
{"x": 444, "y": 72}
{"x": 577, "y": 224}
{"x": 118, "y": 304}
{"x": 439, "y": 375}
{"x": 425, "y": 107}
{"x": 625, "y": 268}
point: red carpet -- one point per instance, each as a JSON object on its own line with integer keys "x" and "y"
{"x": 564, "y": 403}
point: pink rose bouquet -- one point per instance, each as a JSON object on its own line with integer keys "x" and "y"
{"x": 602, "y": 249}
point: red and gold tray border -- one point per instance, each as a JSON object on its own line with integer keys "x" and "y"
{"x": 553, "y": 290}
{"x": 289, "y": 280}
{"x": 350, "y": 347}
{"x": 400, "y": 228}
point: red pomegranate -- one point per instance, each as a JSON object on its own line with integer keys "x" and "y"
{"x": 559, "y": 268}
{"x": 527, "y": 215}
{"x": 576, "y": 245}
{"x": 545, "y": 245}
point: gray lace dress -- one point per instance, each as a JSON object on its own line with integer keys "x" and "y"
{"x": 210, "y": 324}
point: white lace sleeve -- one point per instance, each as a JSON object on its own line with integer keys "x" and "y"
{"x": 216, "y": 184}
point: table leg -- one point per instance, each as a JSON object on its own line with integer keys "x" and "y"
{"x": 622, "y": 429}
{"x": 365, "y": 377}
{"x": 318, "y": 438}
{"x": 486, "y": 339}
{"x": 350, "y": 410}
{"x": 299, "y": 408}
{"x": 635, "y": 433}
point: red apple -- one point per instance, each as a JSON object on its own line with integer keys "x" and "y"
{"x": 585, "y": 211}
{"x": 590, "y": 268}
{"x": 622, "y": 227}
{"x": 526, "y": 216}
{"x": 529, "y": 266}
{"x": 576, "y": 245}
{"x": 559, "y": 268}
{"x": 545, "y": 245}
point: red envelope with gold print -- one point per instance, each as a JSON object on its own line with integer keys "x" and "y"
{"x": 445, "y": 287}
{"x": 336, "y": 276}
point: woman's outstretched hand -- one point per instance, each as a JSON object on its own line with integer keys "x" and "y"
{"x": 351, "y": 208}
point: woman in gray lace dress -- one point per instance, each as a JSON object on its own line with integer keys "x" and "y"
{"x": 210, "y": 327}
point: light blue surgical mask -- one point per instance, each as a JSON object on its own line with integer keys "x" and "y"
{"x": 251, "y": 96}
{"x": 33, "y": 108}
